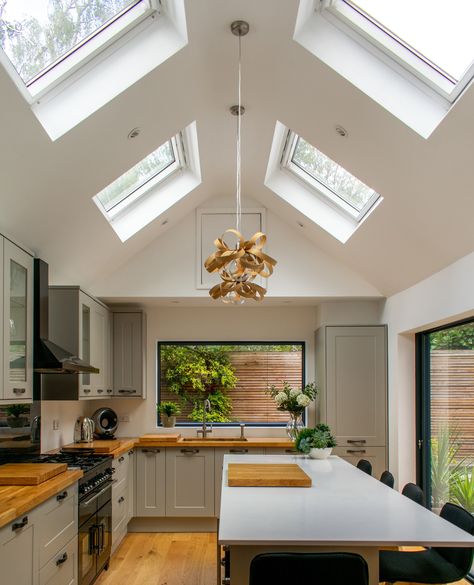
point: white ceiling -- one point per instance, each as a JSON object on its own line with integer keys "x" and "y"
{"x": 424, "y": 223}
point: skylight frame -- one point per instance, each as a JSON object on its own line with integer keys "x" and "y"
{"x": 319, "y": 189}
{"x": 385, "y": 44}
{"x": 179, "y": 152}
{"x": 81, "y": 55}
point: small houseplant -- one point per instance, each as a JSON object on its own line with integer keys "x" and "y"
{"x": 294, "y": 401}
{"x": 14, "y": 415}
{"x": 317, "y": 442}
{"x": 168, "y": 411}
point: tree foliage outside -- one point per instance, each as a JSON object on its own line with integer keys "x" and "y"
{"x": 460, "y": 337}
{"x": 328, "y": 172}
{"x": 36, "y": 33}
{"x": 197, "y": 372}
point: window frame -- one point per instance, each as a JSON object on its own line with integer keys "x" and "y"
{"x": 195, "y": 424}
{"x": 385, "y": 44}
{"x": 82, "y": 54}
{"x": 318, "y": 187}
{"x": 179, "y": 163}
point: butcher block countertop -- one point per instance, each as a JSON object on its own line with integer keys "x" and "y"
{"x": 271, "y": 442}
{"x": 18, "y": 500}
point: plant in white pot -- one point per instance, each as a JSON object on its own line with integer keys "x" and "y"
{"x": 317, "y": 442}
{"x": 168, "y": 412}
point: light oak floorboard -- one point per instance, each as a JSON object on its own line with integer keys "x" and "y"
{"x": 163, "y": 559}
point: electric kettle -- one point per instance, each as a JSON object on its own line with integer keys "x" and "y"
{"x": 84, "y": 430}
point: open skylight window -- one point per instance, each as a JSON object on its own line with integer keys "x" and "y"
{"x": 425, "y": 37}
{"x": 152, "y": 186}
{"x": 46, "y": 41}
{"x": 327, "y": 178}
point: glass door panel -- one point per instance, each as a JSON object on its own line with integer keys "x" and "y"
{"x": 17, "y": 322}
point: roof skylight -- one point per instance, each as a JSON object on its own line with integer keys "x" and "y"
{"x": 327, "y": 177}
{"x": 442, "y": 37}
{"x": 147, "y": 173}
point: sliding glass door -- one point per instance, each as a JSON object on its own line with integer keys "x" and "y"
{"x": 446, "y": 415}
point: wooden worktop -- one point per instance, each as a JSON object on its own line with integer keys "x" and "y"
{"x": 18, "y": 500}
{"x": 272, "y": 442}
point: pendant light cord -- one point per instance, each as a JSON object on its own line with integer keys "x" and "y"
{"x": 239, "y": 160}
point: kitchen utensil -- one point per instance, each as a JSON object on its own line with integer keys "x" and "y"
{"x": 84, "y": 430}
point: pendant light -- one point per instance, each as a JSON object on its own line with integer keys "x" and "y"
{"x": 238, "y": 266}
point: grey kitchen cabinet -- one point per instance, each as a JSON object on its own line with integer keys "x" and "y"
{"x": 16, "y": 343}
{"x": 129, "y": 352}
{"x": 122, "y": 496}
{"x": 218, "y": 467}
{"x": 190, "y": 481}
{"x": 351, "y": 370}
{"x": 376, "y": 456}
{"x": 81, "y": 325}
{"x": 150, "y": 484}
{"x": 40, "y": 547}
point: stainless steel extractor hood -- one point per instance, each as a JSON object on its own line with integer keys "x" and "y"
{"x": 48, "y": 357}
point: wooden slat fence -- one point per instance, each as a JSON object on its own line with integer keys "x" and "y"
{"x": 255, "y": 372}
{"x": 452, "y": 395}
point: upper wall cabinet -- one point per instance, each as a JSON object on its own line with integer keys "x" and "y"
{"x": 129, "y": 353}
{"x": 351, "y": 367}
{"x": 17, "y": 302}
{"x": 81, "y": 325}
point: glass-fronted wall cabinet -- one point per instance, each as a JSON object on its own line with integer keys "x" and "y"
{"x": 17, "y": 323}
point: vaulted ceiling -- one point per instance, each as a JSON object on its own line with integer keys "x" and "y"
{"x": 424, "y": 223}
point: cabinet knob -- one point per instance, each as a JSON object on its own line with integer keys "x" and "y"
{"x": 109, "y": 390}
{"x": 86, "y": 390}
{"x": 61, "y": 497}
{"x": 62, "y": 559}
{"x": 99, "y": 390}
{"x": 121, "y": 459}
{"x": 19, "y": 390}
{"x": 21, "y": 524}
{"x": 120, "y": 500}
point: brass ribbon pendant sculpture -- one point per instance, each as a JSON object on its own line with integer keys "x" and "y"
{"x": 238, "y": 267}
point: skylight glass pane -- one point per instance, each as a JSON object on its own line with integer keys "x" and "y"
{"x": 440, "y": 31}
{"x": 37, "y": 33}
{"x": 148, "y": 168}
{"x": 332, "y": 175}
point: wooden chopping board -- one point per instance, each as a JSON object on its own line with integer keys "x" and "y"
{"x": 99, "y": 446}
{"x": 159, "y": 437}
{"x": 267, "y": 475}
{"x": 29, "y": 473}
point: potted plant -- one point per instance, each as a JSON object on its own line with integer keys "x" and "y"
{"x": 317, "y": 442}
{"x": 14, "y": 415}
{"x": 168, "y": 412}
{"x": 294, "y": 401}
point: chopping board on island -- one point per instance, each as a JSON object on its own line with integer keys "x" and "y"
{"x": 267, "y": 475}
{"x": 29, "y": 473}
{"x": 104, "y": 446}
{"x": 162, "y": 437}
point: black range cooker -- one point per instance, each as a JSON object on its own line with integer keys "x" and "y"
{"x": 95, "y": 510}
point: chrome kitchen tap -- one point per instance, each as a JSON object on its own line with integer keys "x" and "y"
{"x": 206, "y": 407}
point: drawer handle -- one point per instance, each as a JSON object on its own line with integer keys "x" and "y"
{"x": 120, "y": 500}
{"x": 190, "y": 451}
{"x": 86, "y": 390}
{"x": 121, "y": 391}
{"x": 19, "y": 390}
{"x": 121, "y": 459}
{"x": 292, "y": 451}
{"x": 356, "y": 441}
{"x": 151, "y": 451}
{"x": 109, "y": 390}
{"x": 62, "y": 559}
{"x": 238, "y": 450}
{"x": 99, "y": 390}
{"x": 356, "y": 451}
{"x": 61, "y": 497}
{"x": 131, "y": 452}
{"x": 20, "y": 525}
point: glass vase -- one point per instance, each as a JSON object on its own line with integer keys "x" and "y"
{"x": 294, "y": 425}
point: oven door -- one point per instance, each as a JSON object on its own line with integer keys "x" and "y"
{"x": 88, "y": 542}
{"x": 104, "y": 528}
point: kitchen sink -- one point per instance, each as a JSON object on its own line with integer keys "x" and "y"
{"x": 213, "y": 439}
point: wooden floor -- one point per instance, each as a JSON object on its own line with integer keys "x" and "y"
{"x": 163, "y": 559}
{"x": 185, "y": 558}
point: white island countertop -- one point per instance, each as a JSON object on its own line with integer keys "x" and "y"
{"x": 344, "y": 507}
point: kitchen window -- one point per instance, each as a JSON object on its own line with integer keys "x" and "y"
{"x": 233, "y": 375}
{"x": 327, "y": 178}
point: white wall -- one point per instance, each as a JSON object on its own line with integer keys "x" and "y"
{"x": 66, "y": 411}
{"x": 444, "y": 297}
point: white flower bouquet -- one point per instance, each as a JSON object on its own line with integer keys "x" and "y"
{"x": 293, "y": 399}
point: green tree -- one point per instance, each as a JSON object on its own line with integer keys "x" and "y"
{"x": 197, "y": 372}
{"x": 461, "y": 337}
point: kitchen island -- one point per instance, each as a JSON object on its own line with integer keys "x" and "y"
{"x": 344, "y": 510}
